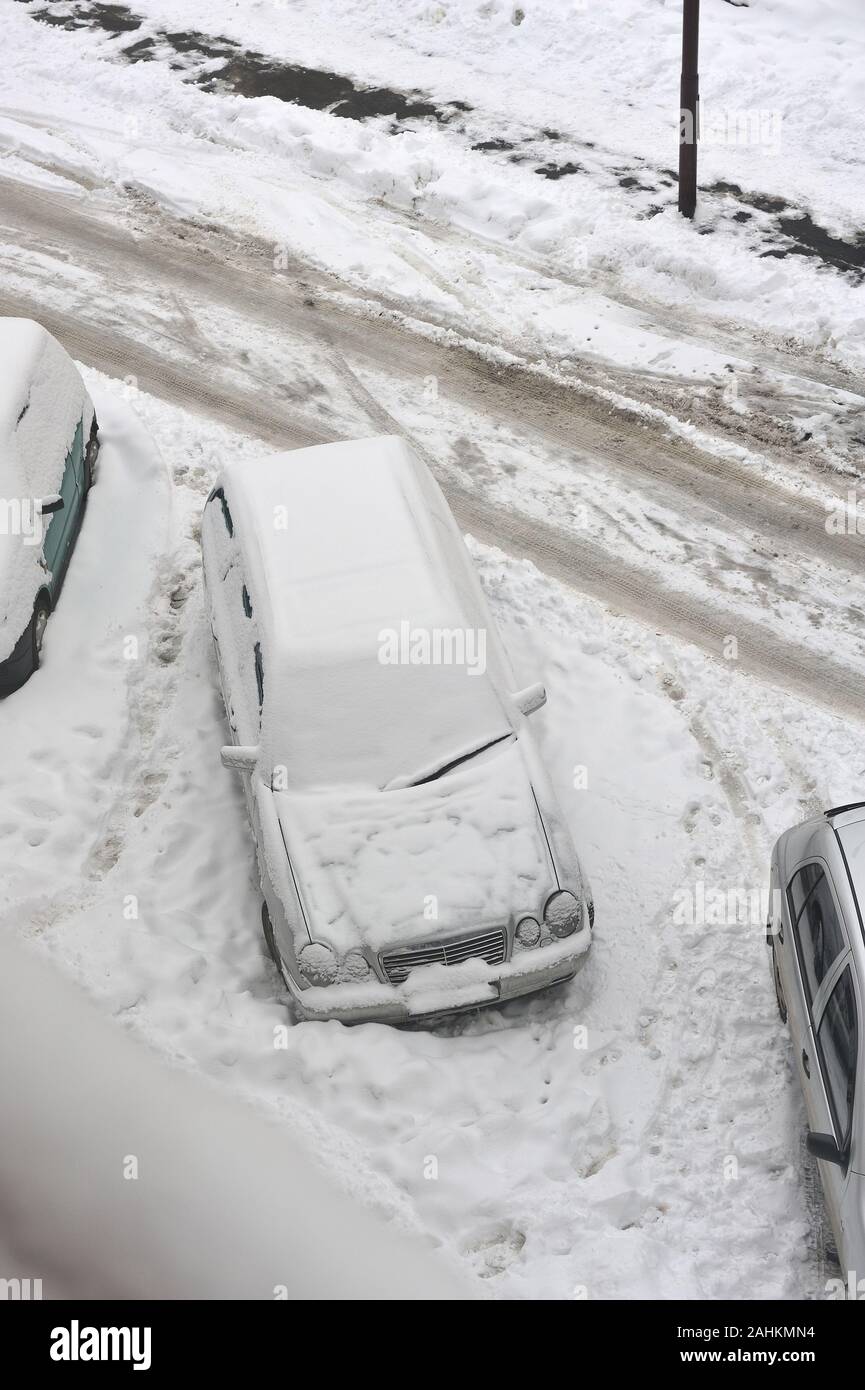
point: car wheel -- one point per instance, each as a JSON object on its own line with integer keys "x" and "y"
{"x": 782, "y": 1007}
{"x": 37, "y": 628}
{"x": 90, "y": 454}
{"x": 822, "y": 1237}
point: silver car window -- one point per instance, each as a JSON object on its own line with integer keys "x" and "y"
{"x": 801, "y": 884}
{"x": 837, "y": 1046}
{"x": 816, "y": 927}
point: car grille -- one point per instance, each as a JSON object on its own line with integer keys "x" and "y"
{"x": 490, "y": 946}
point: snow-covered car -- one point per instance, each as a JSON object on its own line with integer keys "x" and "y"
{"x": 815, "y": 933}
{"x": 413, "y": 857}
{"x": 48, "y": 446}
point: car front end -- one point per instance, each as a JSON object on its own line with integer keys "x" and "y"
{"x": 445, "y": 974}
{"x": 454, "y": 894}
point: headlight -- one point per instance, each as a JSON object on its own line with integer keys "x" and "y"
{"x": 528, "y": 932}
{"x": 563, "y": 914}
{"x": 355, "y": 967}
{"x": 318, "y": 964}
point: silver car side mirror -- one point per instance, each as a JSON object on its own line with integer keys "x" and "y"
{"x": 240, "y": 757}
{"x": 531, "y": 698}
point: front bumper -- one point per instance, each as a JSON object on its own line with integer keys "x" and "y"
{"x": 434, "y": 991}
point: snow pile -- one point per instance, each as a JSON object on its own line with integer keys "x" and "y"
{"x": 453, "y": 219}
{"x": 604, "y": 73}
{"x": 572, "y": 1141}
{"x": 120, "y": 1178}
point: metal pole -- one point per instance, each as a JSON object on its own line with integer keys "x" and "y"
{"x": 689, "y": 108}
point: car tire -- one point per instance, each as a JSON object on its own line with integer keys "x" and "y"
{"x": 90, "y": 454}
{"x": 41, "y": 613}
{"x": 822, "y": 1236}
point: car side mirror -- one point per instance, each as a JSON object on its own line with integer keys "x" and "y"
{"x": 239, "y": 757}
{"x": 825, "y": 1147}
{"x": 531, "y": 698}
{"x": 52, "y": 503}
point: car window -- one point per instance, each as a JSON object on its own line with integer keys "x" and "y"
{"x": 802, "y": 883}
{"x": 226, "y": 514}
{"x": 70, "y": 474}
{"x": 60, "y": 526}
{"x": 837, "y": 1046}
{"x": 76, "y": 453}
{"x": 817, "y": 930}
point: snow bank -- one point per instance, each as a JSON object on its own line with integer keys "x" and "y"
{"x": 474, "y": 238}
{"x": 575, "y": 1140}
{"x": 120, "y": 1178}
{"x": 605, "y": 73}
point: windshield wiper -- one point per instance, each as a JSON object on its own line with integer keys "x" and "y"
{"x": 441, "y": 769}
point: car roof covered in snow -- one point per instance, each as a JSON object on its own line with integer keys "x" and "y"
{"x": 42, "y": 399}
{"x": 344, "y": 544}
{"x": 344, "y": 536}
{"x": 21, "y": 345}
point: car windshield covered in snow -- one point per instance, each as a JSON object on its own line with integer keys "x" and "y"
{"x": 362, "y": 721}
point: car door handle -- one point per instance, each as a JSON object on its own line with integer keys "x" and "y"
{"x": 806, "y": 1065}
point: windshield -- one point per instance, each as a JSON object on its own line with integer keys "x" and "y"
{"x": 373, "y": 725}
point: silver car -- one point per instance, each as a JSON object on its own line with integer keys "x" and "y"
{"x": 815, "y": 931}
{"x": 413, "y": 858}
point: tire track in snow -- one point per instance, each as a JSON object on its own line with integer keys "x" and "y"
{"x": 563, "y": 417}
{"x": 729, "y": 1003}
{"x": 186, "y": 259}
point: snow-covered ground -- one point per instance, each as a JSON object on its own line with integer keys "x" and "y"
{"x": 634, "y": 1134}
{"x": 374, "y": 199}
{"x": 638, "y": 1133}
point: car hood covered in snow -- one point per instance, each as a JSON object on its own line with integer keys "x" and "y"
{"x": 381, "y": 868}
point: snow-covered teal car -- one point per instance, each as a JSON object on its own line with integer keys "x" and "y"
{"x": 48, "y": 446}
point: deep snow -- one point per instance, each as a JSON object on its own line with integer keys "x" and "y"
{"x": 588, "y": 253}
{"x": 129, "y": 1180}
{"x": 639, "y": 1132}
{"x": 636, "y": 1133}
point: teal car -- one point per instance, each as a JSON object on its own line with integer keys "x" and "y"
{"x": 49, "y": 441}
